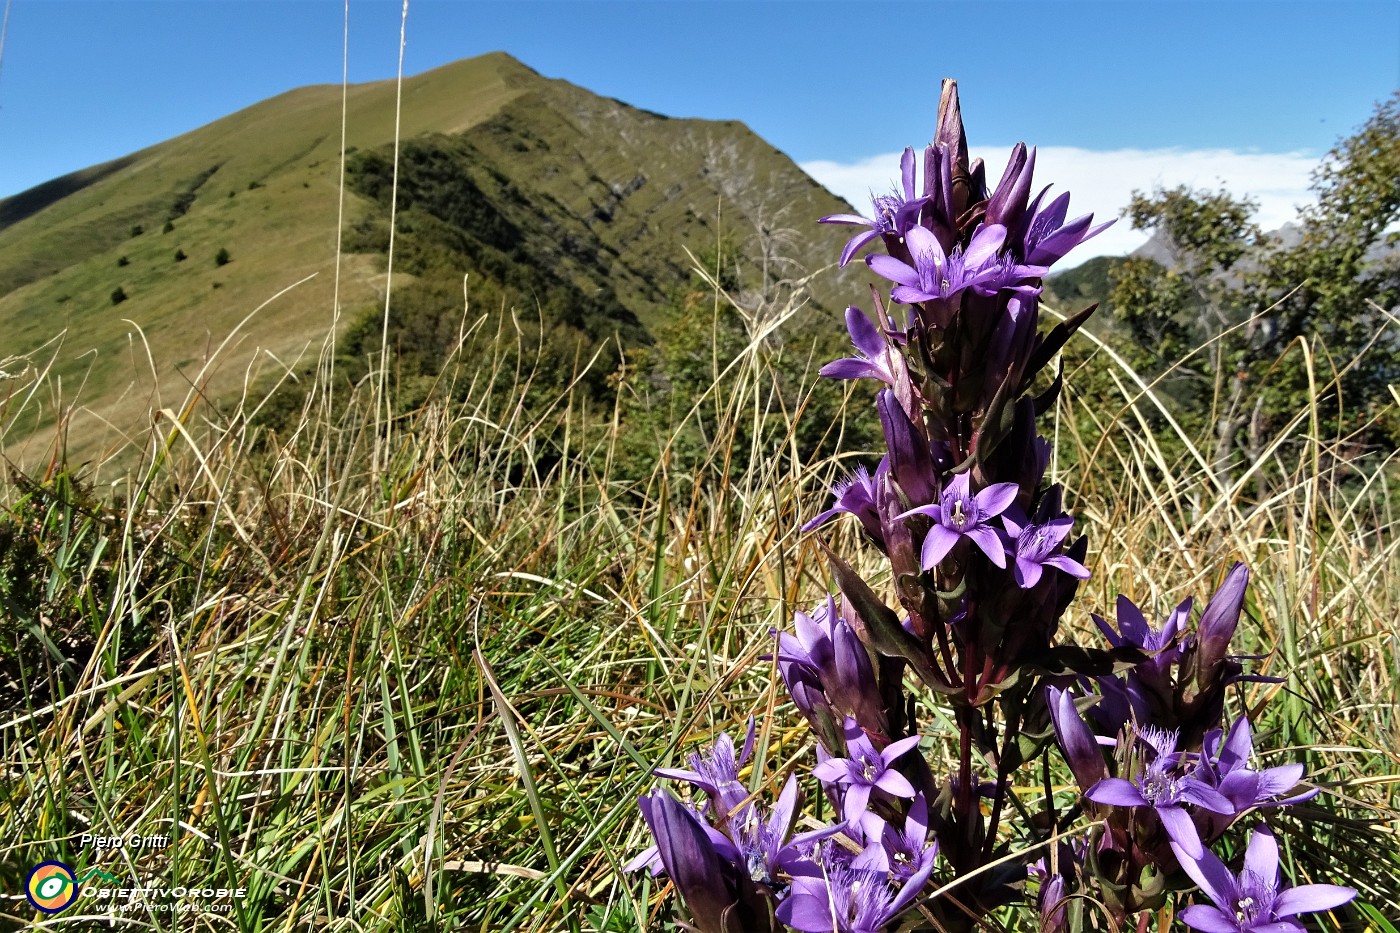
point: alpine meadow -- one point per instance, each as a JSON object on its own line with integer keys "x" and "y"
{"x": 469, "y": 502}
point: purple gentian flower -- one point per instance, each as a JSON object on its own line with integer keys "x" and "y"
{"x": 902, "y": 853}
{"x": 1161, "y": 786}
{"x": 856, "y": 496}
{"x": 1048, "y": 238}
{"x": 895, "y": 213}
{"x": 935, "y": 275}
{"x": 1146, "y": 690}
{"x": 874, "y": 360}
{"x": 1253, "y": 902}
{"x": 716, "y": 772}
{"x": 762, "y": 844}
{"x": 960, "y": 514}
{"x": 1226, "y": 768}
{"x": 1134, "y": 631}
{"x": 1035, "y": 547}
{"x": 866, "y": 770}
{"x": 845, "y": 899}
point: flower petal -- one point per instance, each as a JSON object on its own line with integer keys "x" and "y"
{"x": 855, "y": 243}
{"x": 680, "y": 774}
{"x": 985, "y": 243}
{"x": 850, "y": 367}
{"x": 890, "y": 268}
{"x": 1280, "y": 780}
{"x": 651, "y": 856}
{"x": 989, "y": 541}
{"x": 1131, "y": 623}
{"x": 1069, "y": 565}
{"x": 916, "y": 821}
{"x": 895, "y": 749}
{"x": 780, "y": 820}
{"x": 925, "y": 249}
{"x": 820, "y": 518}
{"x": 1027, "y": 573}
{"x": 857, "y": 799}
{"x": 1310, "y": 897}
{"x": 872, "y": 858}
{"x": 864, "y": 334}
{"x": 911, "y": 295}
{"x": 1211, "y": 874}
{"x": 939, "y": 542}
{"x": 1116, "y": 792}
{"x": 892, "y": 782}
{"x": 1205, "y": 796}
{"x": 1208, "y": 919}
{"x": 1182, "y": 831}
{"x": 997, "y": 498}
{"x": 808, "y": 913}
{"x": 906, "y": 172}
{"x": 1261, "y": 855}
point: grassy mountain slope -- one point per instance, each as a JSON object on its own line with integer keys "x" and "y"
{"x": 604, "y": 196}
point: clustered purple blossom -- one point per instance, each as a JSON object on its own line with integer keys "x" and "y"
{"x": 982, "y": 568}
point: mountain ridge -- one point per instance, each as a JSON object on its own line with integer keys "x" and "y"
{"x": 261, "y": 185}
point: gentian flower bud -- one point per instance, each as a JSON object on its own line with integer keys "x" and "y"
{"x": 1008, "y": 202}
{"x": 1081, "y": 748}
{"x": 1218, "y": 623}
{"x": 828, "y": 646}
{"x": 705, "y": 868}
{"x": 910, "y": 456}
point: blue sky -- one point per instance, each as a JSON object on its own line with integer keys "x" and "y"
{"x": 1117, "y": 94}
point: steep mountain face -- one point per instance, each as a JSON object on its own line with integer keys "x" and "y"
{"x": 147, "y": 264}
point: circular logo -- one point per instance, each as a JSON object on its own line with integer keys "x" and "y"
{"x": 51, "y": 886}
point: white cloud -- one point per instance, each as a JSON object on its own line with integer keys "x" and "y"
{"x": 1103, "y": 182}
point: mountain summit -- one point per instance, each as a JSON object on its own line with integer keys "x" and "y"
{"x": 143, "y": 266}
